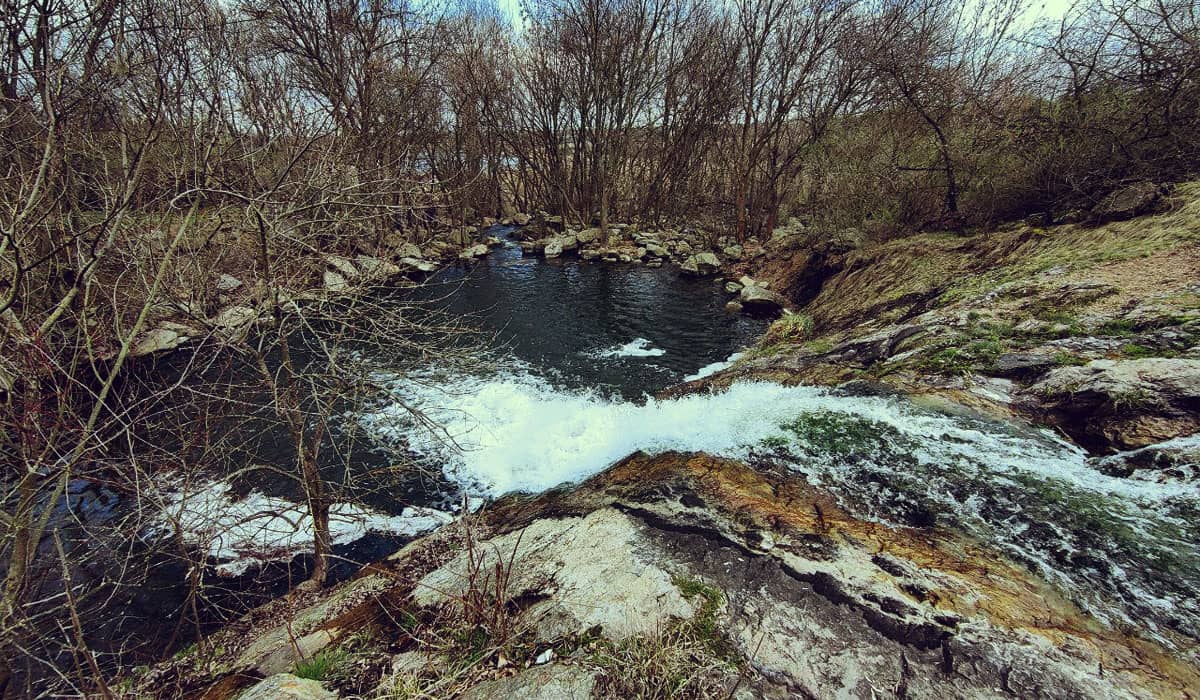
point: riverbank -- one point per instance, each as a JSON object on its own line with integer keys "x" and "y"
{"x": 1091, "y": 329}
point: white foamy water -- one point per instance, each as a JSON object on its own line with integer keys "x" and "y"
{"x": 709, "y": 370}
{"x": 638, "y": 347}
{"x": 517, "y": 432}
{"x": 1031, "y": 494}
{"x": 241, "y": 533}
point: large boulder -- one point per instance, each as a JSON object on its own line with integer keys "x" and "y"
{"x": 1127, "y": 202}
{"x": 656, "y": 249}
{"x": 554, "y": 248}
{"x": 701, "y": 264}
{"x": 1121, "y": 404}
{"x": 759, "y": 299}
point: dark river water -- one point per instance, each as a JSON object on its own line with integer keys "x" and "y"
{"x": 622, "y": 330}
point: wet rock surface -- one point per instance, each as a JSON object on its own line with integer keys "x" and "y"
{"x": 808, "y": 600}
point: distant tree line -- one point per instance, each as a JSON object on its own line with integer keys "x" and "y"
{"x": 146, "y": 143}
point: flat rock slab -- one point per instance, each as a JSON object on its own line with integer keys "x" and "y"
{"x": 285, "y": 686}
{"x": 551, "y": 682}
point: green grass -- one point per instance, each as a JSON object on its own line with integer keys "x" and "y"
{"x": 320, "y": 666}
{"x": 1137, "y": 352}
{"x": 1118, "y": 327}
{"x": 790, "y": 328}
{"x": 705, "y": 620}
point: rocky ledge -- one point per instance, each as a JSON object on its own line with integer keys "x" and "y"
{"x": 687, "y": 572}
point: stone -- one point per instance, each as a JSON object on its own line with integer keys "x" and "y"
{"x": 733, "y": 287}
{"x": 1127, "y": 202}
{"x": 158, "y": 340}
{"x": 285, "y": 655}
{"x": 761, "y": 299}
{"x": 733, "y": 252}
{"x": 521, "y": 219}
{"x": 702, "y": 264}
{"x": 568, "y": 241}
{"x": 233, "y": 319}
{"x": 462, "y": 236}
{"x": 408, "y": 250}
{"x": 588, "y": 235}
{"x": 1111, "y": 405}
{"x": 593, "y": 565}
{"x": 376, "y": 268}
{"x": 656, "y": 250}
{"x": 418, "y": 264}
{"x": 1022, "y": 365}
{"x": 747, "y": 281}
{"x": 734, "y": 307}
{"x": 554, "y": 248}
{"x": 553, "y": 682}
{"x": 333, "y": 282}
{"x": 344, "y": 267}
{"x": 476, "y": 251}
{"x": 227, "y": 283}
{"x": 285, "y": 686}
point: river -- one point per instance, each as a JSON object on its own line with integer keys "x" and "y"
{"x": 578, "y": 349}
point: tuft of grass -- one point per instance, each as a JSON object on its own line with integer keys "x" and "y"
{"x": 704, "y": 622}
{"x": 1118, "y": 327}
{"x": 791, "y": 328}
{"x": 320, "y": 666}
{"x": 1136, "y": 352}
{"x": 819, "y": 346}
{"x": 689, "y": 659}
{"x": 1066, "y": 359}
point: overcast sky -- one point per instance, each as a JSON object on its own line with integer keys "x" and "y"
{"x": 1037, "y": 9}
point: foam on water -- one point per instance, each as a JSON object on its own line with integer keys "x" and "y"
{"x": 638, "y": 347}
{"x": 709, "y": 370}
{"x": 1024, "y": 490}
{"x": 241, "y": 533}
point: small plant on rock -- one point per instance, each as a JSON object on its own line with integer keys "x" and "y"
{"x": 792, "y": 328}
